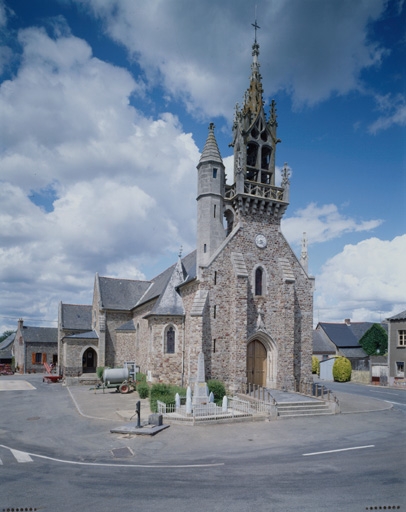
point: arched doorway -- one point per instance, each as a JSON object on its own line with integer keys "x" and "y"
{"x": 89, "y": 361}
{"x": 256, "y": 363}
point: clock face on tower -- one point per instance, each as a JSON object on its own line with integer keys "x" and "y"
{"x": 260, "y": 241}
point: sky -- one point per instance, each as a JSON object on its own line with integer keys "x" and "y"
{"x": 104, "y": 110}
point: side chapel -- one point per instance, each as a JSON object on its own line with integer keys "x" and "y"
{"x": 242, "y": 297}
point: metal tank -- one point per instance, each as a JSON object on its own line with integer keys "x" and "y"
{"x": 115, "y": 376}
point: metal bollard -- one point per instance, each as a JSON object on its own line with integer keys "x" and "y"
{"x": 138, "y": 412}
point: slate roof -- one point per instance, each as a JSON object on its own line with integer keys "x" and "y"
{"x": 399, "y": 316}
{"x": 128, "y": 326}
{"x": 360, "y": 328}
{"x": 340, "y": 334}
{"x": 159, "y": 283}
{"x": 89, "y": 335}
{"x": 40, "y": 334}
{"x": 211, "y": 151}
{"x": 321, "y": 344}
{"x": 169, "y": 301}
{"x": 353, "y": 352}
{"x": 7, "y": 342}
{"x": 121, "y": 294}
{"x": 76, "y": 317}
{"x": 5, "y": 347}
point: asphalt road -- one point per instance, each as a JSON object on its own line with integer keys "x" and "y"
{"x": 63, "y": 461}
{"x": 396, "y": 397}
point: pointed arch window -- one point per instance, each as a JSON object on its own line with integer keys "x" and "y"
{"x": 170, "y": 340}
{"x": 266, "y": 157}
{"x": 252, "y": 152}
{"x": 259, "y": 277}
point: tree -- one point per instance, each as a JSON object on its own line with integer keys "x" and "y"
{"x": 5, "y": 335}
{"x": 374, "y": 340}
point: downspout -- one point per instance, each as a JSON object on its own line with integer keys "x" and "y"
{"x": 183, "y": 353}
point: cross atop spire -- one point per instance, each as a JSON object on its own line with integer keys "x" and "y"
{"x": 256, "y": 26}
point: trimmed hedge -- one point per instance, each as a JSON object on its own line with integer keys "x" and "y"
{"x": 217, "y": 388}
{"x": 164, "y": 393}
{"x": 342, "y": 369}
{"x": 315, "y": 365}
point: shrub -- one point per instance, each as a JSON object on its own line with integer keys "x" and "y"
{"x": 99, "y": 372}
{"x": 217, "y": 388}
{"x": 143, "y": 389}
{"x": 164, "y": 393}
{"x": 315, "y": 365}
{"x": 140, "y": 377}
{"x": 342, "y": 369}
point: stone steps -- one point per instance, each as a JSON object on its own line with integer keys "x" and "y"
{"x": 300, "y": 409}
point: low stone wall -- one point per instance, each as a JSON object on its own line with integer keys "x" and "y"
{"x": 362, "y": 377}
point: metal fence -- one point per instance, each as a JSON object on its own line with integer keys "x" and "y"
{"x": 236, "y": 408}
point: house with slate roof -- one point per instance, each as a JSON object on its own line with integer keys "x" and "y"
{"x": 6, "y": 346}
{"x": 34, "y": 346}
{"x": 397, "y": 347}
{"x": 242, "y": 297}
{"x": 342, "y": 339}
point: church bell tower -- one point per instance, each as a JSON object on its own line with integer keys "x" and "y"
{"x": 254, "y": 143}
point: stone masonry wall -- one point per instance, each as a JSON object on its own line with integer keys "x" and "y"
{"x": 287, "y": 307}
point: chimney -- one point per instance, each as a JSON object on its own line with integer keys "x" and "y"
{"x": 348, "y": 321}
{"x": 20, "y": 324}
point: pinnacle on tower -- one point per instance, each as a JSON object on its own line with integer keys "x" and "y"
{"x": 211, "y": 151}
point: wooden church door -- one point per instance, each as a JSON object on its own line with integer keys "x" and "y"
{"x": 256, "y": 363}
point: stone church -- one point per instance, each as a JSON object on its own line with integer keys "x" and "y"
{"x": 242, "y": 297}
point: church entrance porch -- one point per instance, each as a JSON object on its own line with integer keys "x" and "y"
{"x": 89, "y": 361}
{"x": 256, "y": 363}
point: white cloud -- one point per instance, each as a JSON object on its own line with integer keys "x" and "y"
{"x": 364, "y": 282}
{"x": 322, "y": 223}
{"x": 394, "y": 109}
{"x": 124, "y": 185}
{"x": 312, "y": 50}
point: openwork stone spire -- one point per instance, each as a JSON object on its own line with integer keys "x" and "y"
{"x": 253, "y": 101}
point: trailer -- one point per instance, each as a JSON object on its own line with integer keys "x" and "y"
{"x": 120, "y": 378}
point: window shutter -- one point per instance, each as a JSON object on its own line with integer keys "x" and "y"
{"x": 33, "y": 358}
{"x": 44, "y": 358}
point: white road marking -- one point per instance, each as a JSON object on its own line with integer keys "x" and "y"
{"x": 395, "y": 403}
{"x": 340, "y": 450}
{"x": 385, "y": 392}
{"x": 102, "y": 464}
{"x": 21, "y": 456}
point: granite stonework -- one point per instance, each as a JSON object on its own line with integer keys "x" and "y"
{"x": 242, "y": 299}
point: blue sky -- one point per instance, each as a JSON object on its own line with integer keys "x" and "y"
{"x": 105, "y": 106}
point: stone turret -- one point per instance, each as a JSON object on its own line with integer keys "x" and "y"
{"x": 210, "y": 200}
